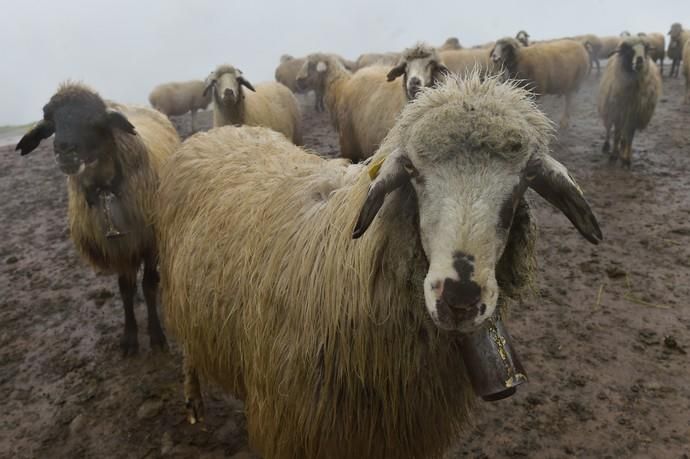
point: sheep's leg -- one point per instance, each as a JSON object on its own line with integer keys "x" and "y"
{"x": 607, "y": 144}
{"x": 193, "y": 117}
{"x": 626, "y": 157}
{"x": 596, "y": 61}
{"x": 616, "y": 145}
{"x": 193, "y": 400}
{"x": 150, "y": 287}
{"x": 128, "y": 286}
{"x": 565, "y": 119}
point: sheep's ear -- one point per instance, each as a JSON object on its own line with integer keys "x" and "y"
{"x": 244, "y": 82}
{"x": 117, "y": 120}
{"x": 321, "y": 66}
{"x": 397, "y": 71}
{"x": 210, "y": 82}
{"x": 392, "y": 174}
{"x": 440, "y": 71}
{"x": 552, "y": 181}
{"x": 32, "y": 139}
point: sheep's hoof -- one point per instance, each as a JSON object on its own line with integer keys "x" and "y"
{"x": 626, "y": 164}
{"x": 157, "y": 340}
{"x": 129, "y": 344}
{"x": 195, "y": 410}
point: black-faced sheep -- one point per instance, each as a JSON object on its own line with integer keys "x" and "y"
{"x": 178, "y": 98}
{"x": 270, "y": 104}
{"x": 557, "y": 67}
{"x": 112, "y": 155}
{"x": 327, "y": 340}
{"x": 363, "y": 106}
{"x": 628, "y": 94}
{"x": 677, "y": 38}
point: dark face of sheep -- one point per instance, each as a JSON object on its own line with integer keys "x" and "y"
{"x": 226, "y": 82}
{"x": 312, "y": 73}
{"x": 83, "y": 127}
{"x": 469, "y": 179}
{"x": 504, "y": 53}
{"x": 418, "y": 73}
{"x": 523, "y": 38}
{"x": 676, "y": 29}
{"x": 633, "y": 53}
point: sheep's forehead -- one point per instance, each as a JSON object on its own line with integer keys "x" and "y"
{"x": 469, "y": 132}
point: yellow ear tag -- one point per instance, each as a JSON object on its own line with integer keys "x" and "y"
{"x": 375, "y": 168}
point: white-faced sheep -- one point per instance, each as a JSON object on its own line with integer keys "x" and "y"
{"x": 363, "y": 106}
{"x": 111, "y": 155}
{"x": 328, "y": 340}
{"x": 465, "y": 61}
{"x": 450, "y": 43}
{"x": 178, "y": 98}
{"x": 657, "y": 47}
{"x": 557, "y": 67}
{"x": 523, "y": 37}
{"x": 677, "y": 38}
{"x": 628, "y": 94}
{"x": 271, "y": 104}
{"x": 686, "y": 69}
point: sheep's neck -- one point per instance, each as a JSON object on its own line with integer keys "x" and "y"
{"x": 335, "y": 80}
{"x": 234, "y": 114}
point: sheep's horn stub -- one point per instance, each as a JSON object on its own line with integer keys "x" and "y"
{"x": 241, "y": 80}
{"x": 551, "y": 180}
{"x": 33, "y": 138}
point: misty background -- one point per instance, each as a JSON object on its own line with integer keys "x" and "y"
{"x": 124, "y": 48}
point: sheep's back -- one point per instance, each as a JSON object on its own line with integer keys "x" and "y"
{"x": 178, "y": 98}
{"x": 273, "y": 106}
{"x": 463, "y": 61}
{"x": 286, "y": 73}
{"x": 554, "y": 67}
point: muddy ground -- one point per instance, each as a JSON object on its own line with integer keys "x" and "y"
{"x": 605, "y": 344}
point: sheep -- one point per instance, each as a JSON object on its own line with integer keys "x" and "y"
{"x": 678, "y": 36}
{"x": 270, "y": 104}
{"x": 353, "y": 350}
{"x": 450, "y": 43}
{"x": 112, "y": 155}
{"x": 463, "y": 61}
{"x": 557, "y": 67}
{"x": 657, "y": 48}
{"x": 363, "y": 106}
{"x": 608, "y": 46}
{"x": 523, "y": 37}
{"x": 593, "y": 45}
{"x": 628, "y": 94}
{"x": 178, "y": 98}
{"x": 286, "y": 73}
{"x": 369, "y": 59}
{"x": 625, "y": 34}
{"x": 686, "y": 69}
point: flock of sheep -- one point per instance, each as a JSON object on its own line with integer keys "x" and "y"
{"x": 333, "y": 295}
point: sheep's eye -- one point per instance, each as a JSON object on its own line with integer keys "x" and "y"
{"x": 410, "y": 169}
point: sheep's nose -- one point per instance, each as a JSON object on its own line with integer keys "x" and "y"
{"x": 461, "y": 295}
{"x": 229, "y": 93}
{"x": 415, "y": 82}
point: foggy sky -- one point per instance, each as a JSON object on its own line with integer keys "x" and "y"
{"x": 124, "y": 48}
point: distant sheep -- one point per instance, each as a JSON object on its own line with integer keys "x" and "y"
{"x": 608, "y": 46}
{"x": 354, "y": 350}
{"x": 450, "y": 43}
{"x": 523, "y": 37}
{"x": 286, "y": 73}
{"x": 657, "y": 47}
{"x": 678, "y": 37}
{"x": 465, "y": 61}
{"x": 112, "y": 155}
{"x": 557, "y": 67}
{"x": 369, "y": 59}
{"x": 593, "y": 45}
{"x": 629, "y": 91}
{"x": 363, "y": 106}
{"x": 271, "y": 104}
{"x": 175, "y": 99}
